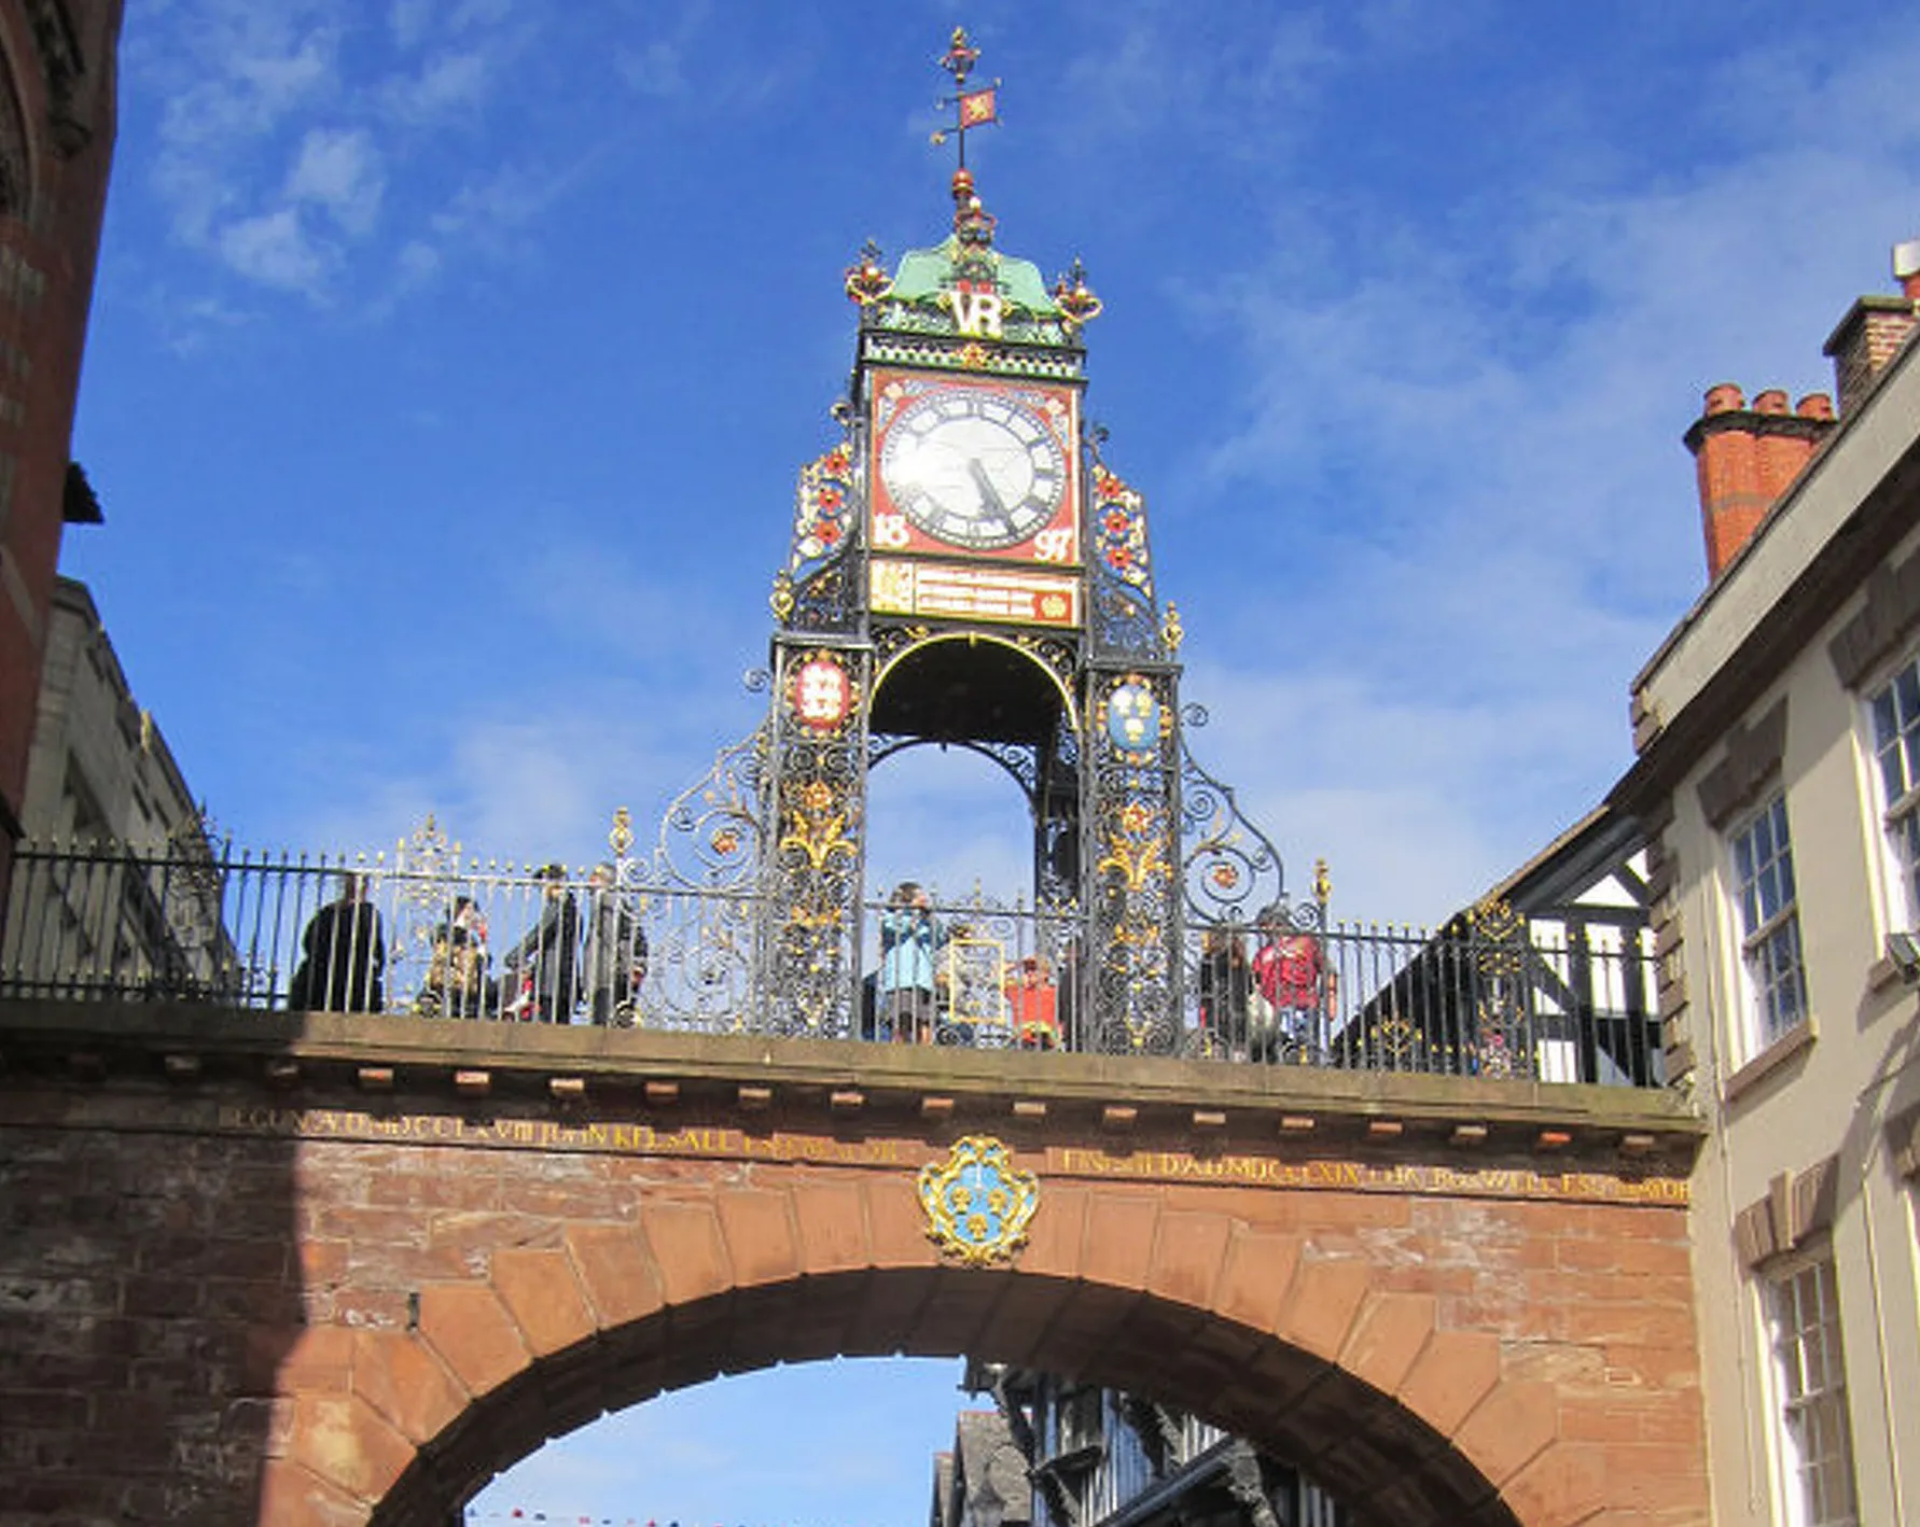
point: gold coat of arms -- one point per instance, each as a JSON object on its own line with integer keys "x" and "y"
{"x": 978, "y": 1204}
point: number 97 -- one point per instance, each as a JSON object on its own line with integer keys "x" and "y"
{"x": 1053, "y": 545}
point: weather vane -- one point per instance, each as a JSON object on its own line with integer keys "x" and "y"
{"x": 972, "y": 108}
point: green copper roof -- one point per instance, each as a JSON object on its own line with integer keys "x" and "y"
{"x": 925, "y": 273}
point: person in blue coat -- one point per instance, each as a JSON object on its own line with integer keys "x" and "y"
{"x": 909, "y": 935}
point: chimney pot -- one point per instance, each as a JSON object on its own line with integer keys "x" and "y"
{"x": 1815, "y": 405}
{"x": 1725, "y": 399}
{"x": 1906, "y": 268}
{"x": 1772, "y": 401}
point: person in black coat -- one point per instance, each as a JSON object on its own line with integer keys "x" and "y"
{"x": 550, "y": 952}
{"x": 616, "y": 950}
{"x": 343, "y": 956}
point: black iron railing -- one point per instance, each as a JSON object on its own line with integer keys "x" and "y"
{"x": 1502, "y": 997}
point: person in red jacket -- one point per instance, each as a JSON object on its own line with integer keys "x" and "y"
{"x": 1291, "y": 975}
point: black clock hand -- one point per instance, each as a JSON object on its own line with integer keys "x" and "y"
{"x": 989, "y": 494}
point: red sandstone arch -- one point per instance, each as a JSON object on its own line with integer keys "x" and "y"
{"x": 1276, "y": 1315}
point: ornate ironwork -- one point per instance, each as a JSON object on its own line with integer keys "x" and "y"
{"x": 698, "y": 895}
{"x": 867, "y": 281}
{"x": 1034, "y": 347}
{"x": 816, "y": 797}
{"x": 1075, "y": 298}
{"x": 1020, "y": 760}
{"x": 1500, "y": 956}
{"x": 1230, "y": 867}
{"x": 818, "y": 589}
{"x": 1130, "y": 790}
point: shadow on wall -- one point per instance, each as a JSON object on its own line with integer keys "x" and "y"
{"x": 151, "y": 1289}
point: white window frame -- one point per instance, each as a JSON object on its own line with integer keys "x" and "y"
{"x": 1767, "y": 914}
{"x": 1812, "y": 1432}
{"x": 1892, "y": 714}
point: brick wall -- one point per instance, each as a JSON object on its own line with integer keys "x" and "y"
{"x": 227, "y": 1311}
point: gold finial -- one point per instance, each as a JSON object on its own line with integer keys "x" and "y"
{"x": 867, "y": 279}
{"x": 1171, "y": 631}
{"x": 1322, "y": 885}
{"x": 782, "y": 597}
{"x": 620, "y": 838}
{"x": 1077, "y": 303}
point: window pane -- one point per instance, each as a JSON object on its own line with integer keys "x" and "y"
{"x": 1763, "y": 867}
{"x": 1817, "y": 1450}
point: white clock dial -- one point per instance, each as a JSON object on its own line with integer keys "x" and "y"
{"x": 973, "y": 467}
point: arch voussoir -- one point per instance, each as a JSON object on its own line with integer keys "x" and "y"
{"x": 473, "y": 1333}
{"x": 406, "y": 1383}
{"x": 757, "y": 1226}
{"x": 537, "y": 1287}
{"x": 1564, "y": 1486}
{"x": 1513, "y": 1423}
{"x": 1056, "y": 1238}
{"x": 1119, "y": 1241}
{"x": 689, "y": 1252}
{"x": 292, "y": 1495}
{"x": 617, "y": 1272}
{"x": 1189, "y": 1249}
{"x": 832, "y": 1222}
{"x": 1257, "y": 1268}
{"x": 1454, "y": 1370}
{"x": 1387, "y": 1335}
{"x": 1321, "y": 1303}
{"x": 897, "y": 1224}
{"x": 344, "y": 1441}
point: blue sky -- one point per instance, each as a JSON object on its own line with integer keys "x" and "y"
{"x": 452, "y": 361}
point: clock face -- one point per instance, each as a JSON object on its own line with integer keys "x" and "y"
{"x": 972, "y": 467}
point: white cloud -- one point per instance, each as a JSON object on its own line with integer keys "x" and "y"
{"x": 652, "y": 69}
{"x": 275, "y": 249}
{"x": 339, "y": 171}
{"x": 1484, "y": 518}
{"x": 446, "y": 85}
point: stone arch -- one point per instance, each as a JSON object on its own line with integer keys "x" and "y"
{"x": 1296, "y": 1339}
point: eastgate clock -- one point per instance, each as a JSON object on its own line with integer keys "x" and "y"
{"x": 974, "y": 467}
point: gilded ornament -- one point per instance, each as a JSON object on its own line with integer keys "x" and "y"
{"x": 816, "y": 829}
{"x": 978, "y": 1204}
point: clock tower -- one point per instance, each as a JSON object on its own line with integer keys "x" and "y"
{"x": 966, "y": 570}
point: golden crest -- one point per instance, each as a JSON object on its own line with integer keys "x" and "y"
{"x": 978, "y": 1204}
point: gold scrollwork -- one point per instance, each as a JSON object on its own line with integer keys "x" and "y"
{"x": 1138, "y": 849}
{"x": 978, "y": 1204}
{"x": 817, "y": 824}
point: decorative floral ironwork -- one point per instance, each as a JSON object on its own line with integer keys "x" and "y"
{"x": 1231, "y": 868}
{"x": 1130, "y": 782}
{"x": 817, "y": 793}
{"x": 1075, "y": 298}
{"x": 978, "y": 1203}
{"x": 813, "y": 591}
{"x": 1120, "y": 530}
{"x": 867, "y": 279}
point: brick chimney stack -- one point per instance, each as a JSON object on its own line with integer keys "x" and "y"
{"x": 1745, "y": 458}
{"x": 1874, "y": 328}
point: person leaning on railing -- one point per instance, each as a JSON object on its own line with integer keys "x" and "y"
{"x": 343, "y": 956}
{"x": 1294, "y": 986}
{"x": 616, "y": 951}
{"x": 909, "y": 935}
{"x": 1226, "y": 989}
{"x": 547, "y": 960}
{"x": 457, "y": 985}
